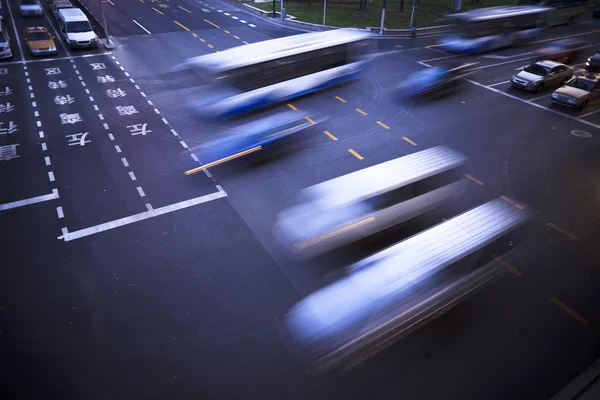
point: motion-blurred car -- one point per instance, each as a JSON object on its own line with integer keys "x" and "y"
{"x": 578, "y": 92}
{"x": 563, "y": 51}
{"x": 539, "y": 75}
{"x": 30, "y": 8}
{"x": 40, "y": 42}
{"x": 435, "y": 81}
{"x": 250, "y": 137}
{"x": 593, "y": 62}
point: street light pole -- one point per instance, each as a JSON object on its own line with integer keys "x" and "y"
{"x": 412, "y": 15}
{"x": 324, "y": 10}
{"x": 274, "y": 11}
{"x": 382, "y": 18}
{"x": 108, "y": 44}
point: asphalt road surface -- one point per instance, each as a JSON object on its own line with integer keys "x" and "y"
{"x": 123, "y": 278}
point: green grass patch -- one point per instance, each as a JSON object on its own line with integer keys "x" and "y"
{"x": 348, "y": 14}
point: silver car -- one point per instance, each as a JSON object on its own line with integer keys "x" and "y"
{"x": 542, "y": 74}
{"x": 5, "y": 51}
{"x": 30, "y": 8}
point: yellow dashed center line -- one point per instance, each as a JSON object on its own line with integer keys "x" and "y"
{"x": 509, "y": 267}
{"x": 160, "y": 12}
{"x": 221, "y": 77}
{"x": 235, "y": 37}
{"x": 310, "y": 120}
{"x": 222, "y": 160}
{"x": 194, "y": 35}
{"x": 408, "y": 140}
{"x": 290, "y": 105}
{"x": 574, "y": 314}
{"x": 340, "y": 99}
{"x": 183, "y": 26}
{"x": 439, "y": 58}
{"x": 512, "y": 202}
{"x": 211, "y": 46}
{"x": 477, "y": 181}
{"x": 567, "y": 234}
{"x": 185, "y": 9}
{"x": 215, "y": 25}
{"x": 355, "y": 154}
{"x": 383, "y": 125}
{"x": 360, "y": 111}
{"x": 226, "y": 31}
{"x": 243, "y": 41}
{"x": 202, "y": 40}
{"x": 330, "y": 135}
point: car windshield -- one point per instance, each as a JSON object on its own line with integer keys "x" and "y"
{"x": 78, "y": 26}
{"x": 29, "y": 2}
{"x": 537, "y": 69}
{"x": 39, "y": 36}
{"x": 582, "y": 84}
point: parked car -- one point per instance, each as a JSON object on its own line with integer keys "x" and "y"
{"x": 578, "y": 92}
{"x": 593, "y": 62}
{"x": 542, "y": 74}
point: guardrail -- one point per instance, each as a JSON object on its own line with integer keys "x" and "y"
{"x": 96, "y": 25}
{"x": 292, "y": 21}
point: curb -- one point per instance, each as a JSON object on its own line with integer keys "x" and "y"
{"x": 291, "y": 22}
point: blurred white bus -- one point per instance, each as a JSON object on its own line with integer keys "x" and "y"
{"x": 250, "y": 77}
{"x": 354, "y": 206}
{"x": 391, "y": 291}
{"x": 493, "y": 28}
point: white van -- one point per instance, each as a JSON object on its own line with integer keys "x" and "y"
{"x": 75, "y": 28}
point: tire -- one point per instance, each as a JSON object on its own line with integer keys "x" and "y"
{"x": 539, "y": 88}
{"x": 583, "y": 105}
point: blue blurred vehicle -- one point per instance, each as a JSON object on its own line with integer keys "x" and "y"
{"x": 250, "y": 137}
{"x": 434, "y": 81}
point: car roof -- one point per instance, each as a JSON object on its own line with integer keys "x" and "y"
{"x": 548, "y": 63}
{"x": 32, "y": 29}
{"x": 72, "y": 13}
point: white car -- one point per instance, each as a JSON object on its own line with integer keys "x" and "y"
{"x": 30, "y": 8}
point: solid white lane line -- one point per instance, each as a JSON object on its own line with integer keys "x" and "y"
{"x": 498, "y": 84}
{"x": 69, "y": 236}
{"x": 31, "y": 200}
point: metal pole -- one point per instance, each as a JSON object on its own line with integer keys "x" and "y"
{"x": 324, "y": 10}
{"x": 382, "y": 18}
{"x": 281, "y": 10}
{"x": 274, "y": 11}
{"x": 412, "y": 15}
{"x": 108, "y": 44}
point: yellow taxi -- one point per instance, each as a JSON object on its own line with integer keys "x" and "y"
{"x": 39, "y": 41}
